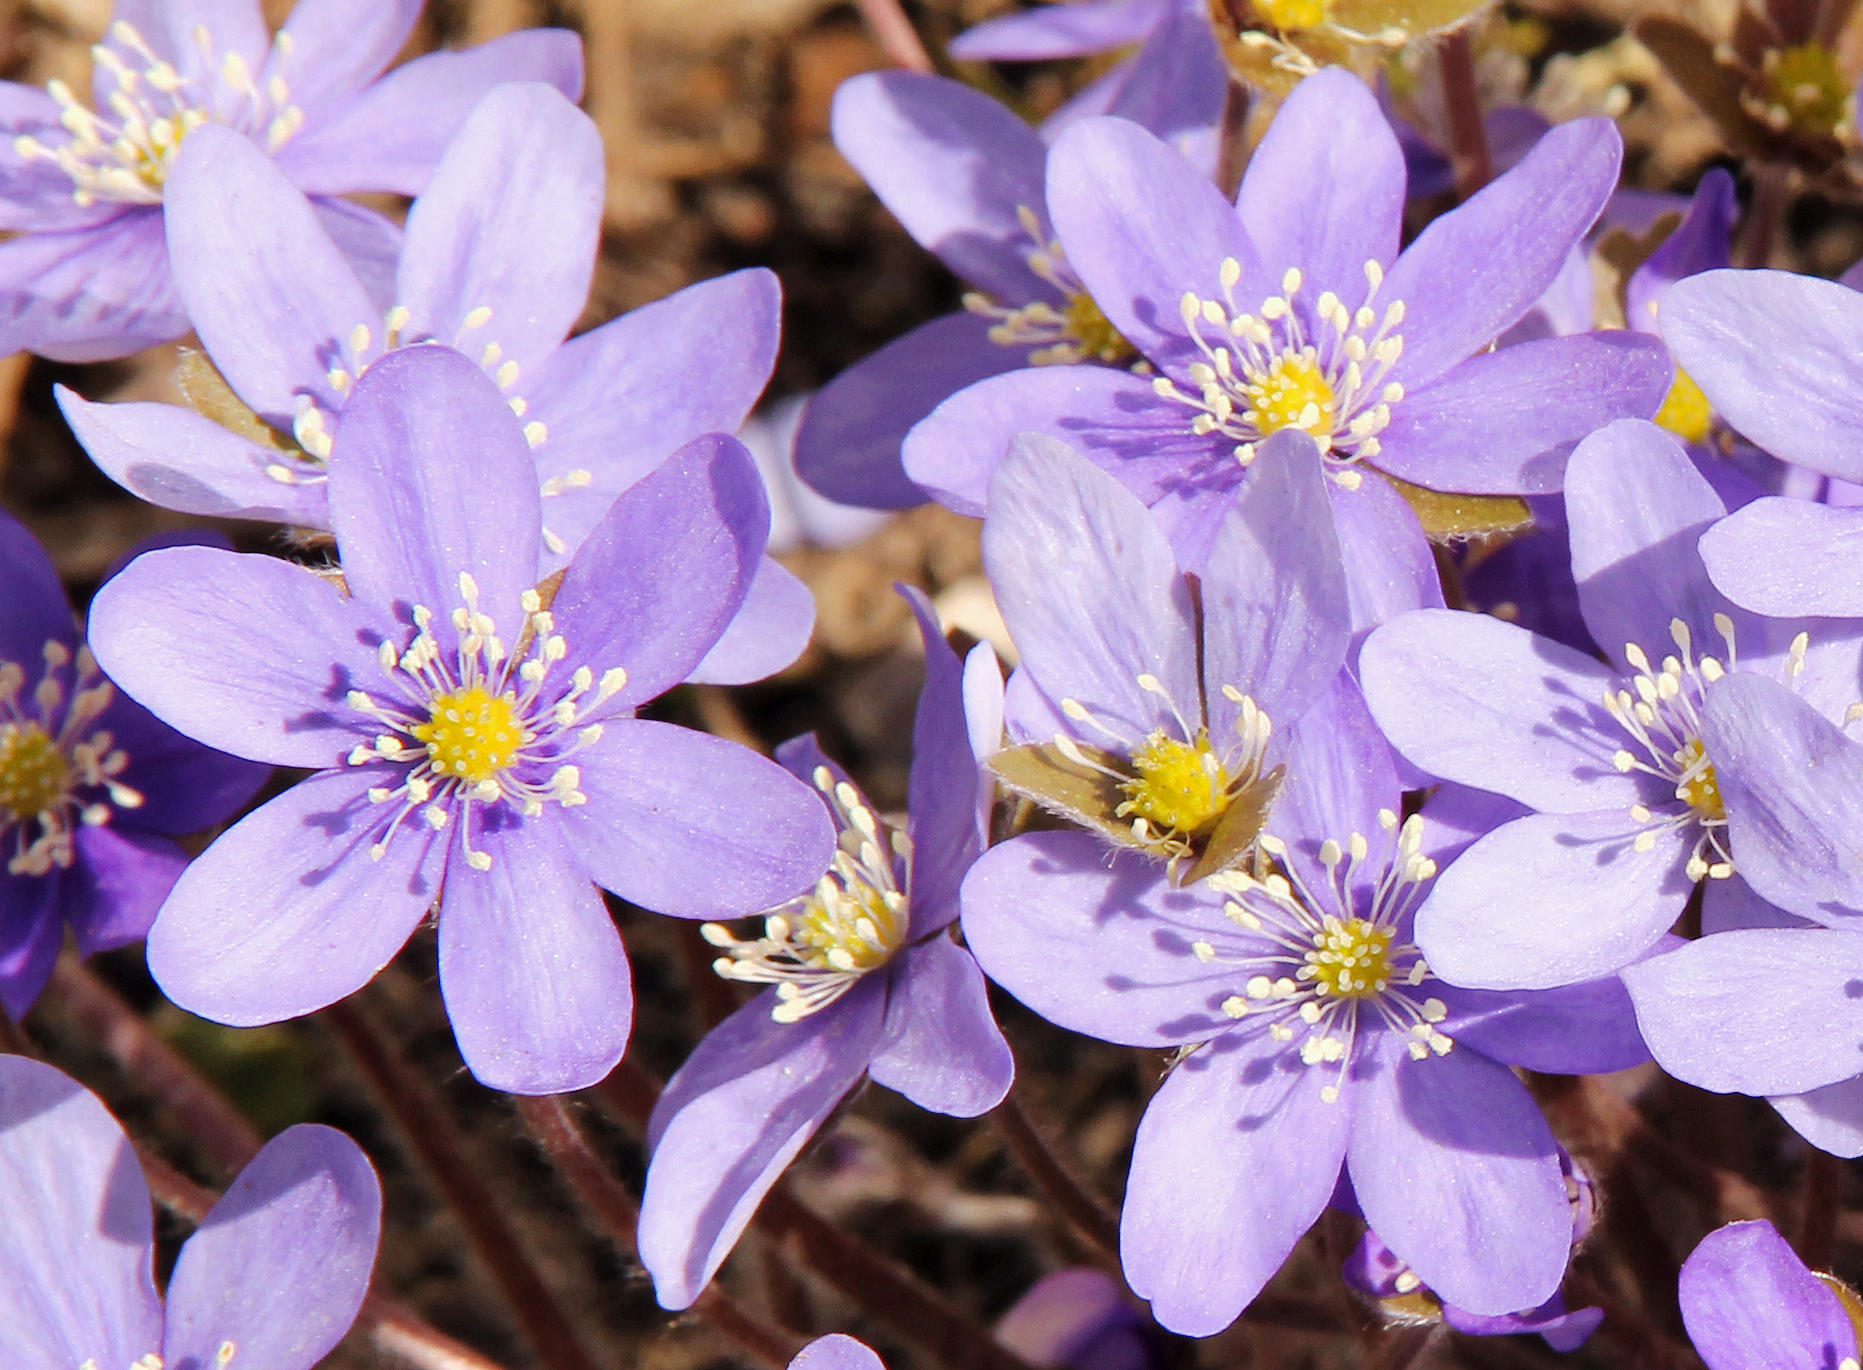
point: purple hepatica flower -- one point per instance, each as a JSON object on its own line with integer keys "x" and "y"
{"x": 1314, "y": 1039}
{"x": 1152, "y": 709}
{"x": 837, "y": 1351}
{"x": 965, "y": 177}
{"x": 1749, "y": 1303}
{"x": 270, "y": 1280}
{"x": 88, "y": 277}
{"x": 1792, "y": 786}
{"x": 864, "y": 980}
{"x": 476, "y": 750}
{"x": 1293, "y": 309}
{"x": 92, "y": 789}
{"x": 1079, "y": 1319}
{"x": 499, "y": 251}
{"x": 1628, "y": 815}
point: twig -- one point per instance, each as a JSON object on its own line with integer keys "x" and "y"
{"x": 423, "y": 1121}
{"x": 895, "y": 34}
{"x": 1056, "y": 1179}
{"x": 1821, "y": 1192}
{"x": 1468, "y": 136}
{"x": 1232, "y": 138}
{"x": 1766, "y": 216}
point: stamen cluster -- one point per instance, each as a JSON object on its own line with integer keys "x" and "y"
{"x": 1078, "y": 332}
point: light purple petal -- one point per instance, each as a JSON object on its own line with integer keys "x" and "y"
{"x": 77, "y": 1245}
{"x": 37, "y": 611}
{"x": 278, "y": 1268}
{"x": 838, "y": 1351}
{"x": 337, "y": 47}
{"x": 533, "y": 972}
{"x": 370, "y": 242}
{"x": 1792, "y": 785}
{"x": 1481, "y": 702}
{"x": 733, "y": 1117}
{"x": 771, "y": 630}
{"x": 1390, "y": 568}
{"x": 175, "y": 458}
{"x": 170, "y": 26}
{"x": 286, "y": 651}
{"x": 943, "y": 784}
{"x": 956, "y": 168}
{"x": 1788, "y": 556}
{"x": 656, "y": 584}
{"x": 393, "y": 134}
{"x": 1325, "y": 189}
{"x": 1142, "y": 226}
{"x": 1765, "y": 347}
{"x": 1636, "y": 506}
{"x": 1235, "y": 1157}
{"x": 941, "y": 1047}
{"x": 287, "y": 911}
{"x": 1098, "y": 945}
{"x": 431, "y": 479}
{"x": 272, "y": 298}
{"x": 1340, "y": 775}
{"x": 1478, "y": 268}
{"x": 510, "y": 222}
{"x": 1455, "y": 1168}
{"x": 89, "y": 294}
{"x": 688, "y": 824}
{"x": 1175, "y": 85}
{"x": 1550, "y": 900}
{"x": 1059, "y": 30}
{"x": 1714, "y": 1016}
{"x": 1122, "y": 610}
{"x": 1830, "y": 1118}
{"x": 1504, "y": 422}
{"x": 1699, "y": 243}
{"x": 111, "y": 893}
{"x": 1748, "y": 1301}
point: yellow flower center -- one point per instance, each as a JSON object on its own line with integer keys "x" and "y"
{"x": 859, "y": 933}
{"x": 1181, "y": 787}
{"x": 1807, "y": 83}
{"x": 1294, "y": 393}
{"x": 470, "y": 734}
{"x": 33, "y": 772}
{"x": 1685, "y": 410}
{"x": 1699, "y": 789}
{"x": 1095, "y": 332}
{"x": 1351, "y": 959}
{"x": 1293, "y": 14}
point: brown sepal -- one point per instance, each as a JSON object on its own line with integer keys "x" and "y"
{"x": 1235, "y": 832}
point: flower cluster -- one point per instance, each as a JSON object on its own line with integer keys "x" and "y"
{"x": 1254, "y": 795}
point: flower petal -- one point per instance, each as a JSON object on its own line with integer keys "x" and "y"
{"x": 746, "y": 1101}
{"x": 941, "y": 1047}
{"x": 287, "y": 912}
{"x": 1390, "y": 568}
{"x": 1830, "y": 1118}
{"x": 1589, "y": 1028}
{"x": 837, "y": 1351}
{"x": 1747, "y": 1300}
{"x": 1787, "y": 556}
{"x": 1074, "y": 30}
{"x": 89, "y": 294}
{"x": 336, "y": 47}
{"x": 534, "y": 975}
{"x": 942, "y": 786}
{"x": 32, "y": 933}
{"x": 1699, "y": 243}
{"x": 278, "y": 1268}
{"x": 77, "y": 1248}
{"x": 37, "y": 611}
{"x": 111, "y": 893}
{"x": 771, "y": 630}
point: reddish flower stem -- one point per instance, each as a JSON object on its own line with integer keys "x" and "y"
{"x": 1468, "y": 136}
{"x": 1059, "y": 1183}
{"x": 1821, "y": 1192}
{"x": 890, "y": 28}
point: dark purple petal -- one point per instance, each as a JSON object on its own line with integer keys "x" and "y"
{"x": 287, "y": 911}
{"x": 111, "y": 893}
{"x": 89, "y": 294}
{"x": 534, "y": 975}
{"x": 1504, "y": 422}
{"x": 848, "y": 447}
{"x": 431, "y": 479}
{"x": 746, "y": 1101}
{"x": 509, "y": 223}
{"x": 1121, "y": 611}
{"x": 956, "y": 168}
{"x": 1175, "y": 85}
{"x": 1788, "y": 556}
{"x": 1714, "y": 1017}
{"x": 1764, "y": 346}
{"x": 1552, "y": 899}
{"x": 393, "y": 134}
{"x": 1585, "y": 1029}
{"x": 1454, "y": 1167}
{"x": 655, "y": 585}
{"x": 688, "y": 824}
{"x": 278, "y": 1268}
{"x": 185, "y": 787}
{"x": 947, "y": 835}
{"x": 772, "y": 629}
{"x": 1325, "y": 190}
{"x": 1059, "y": 30}
{"x": 1748, "y": 1301}
{"x": 1079, "y": 1318}
{"x": 249, "y": 654}
{"x": 1235, "y": 1157}
{"x": 1478, "y": 268}
{"x": 1732, "y": 904}
{"x": 337, "y": 47}
{"x": 32, "y": 933}
{"x": 179, "y": 460}
{"x": 941, "y": 1047}
{"x": 1099, "y": 945}
{"x": 1699, "y": 243}
{"x": 77, "y": 1247}
{"x": 36, "y": 609}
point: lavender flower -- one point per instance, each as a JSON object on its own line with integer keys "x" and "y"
{"x": 965, "y": 177}
{"x": 1791, "y": 784}
{"x": 837, "y": 1351}
{"x": 473, "y": 745}
{"x": 88, "y": 277}
{"x": 1627, "y": 813}
{"x": 864, "y": 980}
{"x": 271, "y": 1279}
{"x": 1293, "y": 309}
{"x": 1153, "y": 710}
{"x": 92, "y": 789}
{"x": 1313, "y": 1041}
{"x": 1749, "y": 1302}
